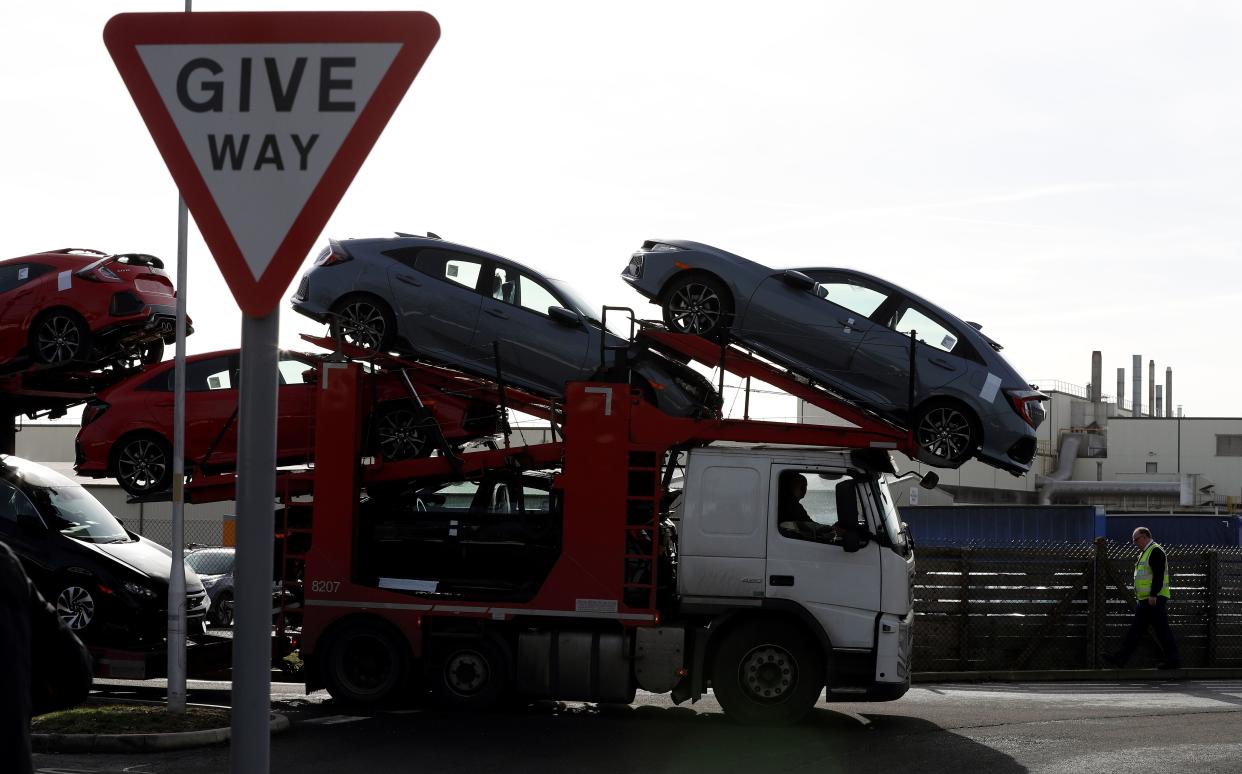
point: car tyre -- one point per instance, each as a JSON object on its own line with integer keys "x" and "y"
{"x": 75, "y": 604}
{"x": 222, "y": 610}
{"x": 469, "y": 673}
{"x": 142, "y": 464}
{"x": 59, "y": 337}
{"x": 699, "y": 304}
{"x": 947, "y": 433}
{"x": 768, "y": 673}
{"x": 365, "y": 664}
{"x": 364, "y": 321}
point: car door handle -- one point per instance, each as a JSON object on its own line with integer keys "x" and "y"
{"x": 848, "y": 321}
{"x": 781, "y": 580}
{"x": 498, "y": 313}
{"x": 945, "y": 364}
{"x": 407, "y": 279}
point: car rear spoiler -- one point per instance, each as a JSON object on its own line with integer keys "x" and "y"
{"x": 132, "y": 259}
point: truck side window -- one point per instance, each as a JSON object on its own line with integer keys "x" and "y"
{"x": 816, "y": 506}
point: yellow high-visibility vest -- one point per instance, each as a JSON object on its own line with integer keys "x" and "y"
{"x": 1142, "y": 574}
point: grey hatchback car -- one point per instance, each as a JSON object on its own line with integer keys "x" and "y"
{"x": 456, "y": 305}
{"x": 850, "y": 331}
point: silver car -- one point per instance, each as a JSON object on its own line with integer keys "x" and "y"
{"x": 456, "y": 305}
{"x": 851, "y": 332}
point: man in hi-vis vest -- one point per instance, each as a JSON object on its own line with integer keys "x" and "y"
{"x": 1151, "y": 587}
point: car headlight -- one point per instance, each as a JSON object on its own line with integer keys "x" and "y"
{"x": 139, "y": 590}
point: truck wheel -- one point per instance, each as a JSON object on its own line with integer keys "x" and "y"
{"x": 472, "y": 674}
{"x": 767, "y": 673}
{"x": 365, "y": 664}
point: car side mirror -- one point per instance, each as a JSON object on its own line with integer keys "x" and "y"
{"x": 798, "y": 280}
{"x": 929, "y": 480}
{"x": 567, "y": 317}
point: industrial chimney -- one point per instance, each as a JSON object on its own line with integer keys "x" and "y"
{"x": 1151, "y": 389}
{"x": 1136, "y": 377}
{"x": 1097, "y": 380}
{"x": 1168, "y": 391}
{"x": 1159, "y": 404}
{"x": 1121, "y": 388}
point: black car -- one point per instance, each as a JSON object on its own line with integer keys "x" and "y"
{"x": 107, "y": 584}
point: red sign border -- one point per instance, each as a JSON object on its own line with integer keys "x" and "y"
{"x": 416, "y": 31}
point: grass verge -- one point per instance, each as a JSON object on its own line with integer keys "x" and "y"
{"x": 127, "y": 719}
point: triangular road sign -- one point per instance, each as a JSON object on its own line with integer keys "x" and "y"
{"x": 264, "y": 119}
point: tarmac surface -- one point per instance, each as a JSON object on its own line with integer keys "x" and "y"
{"x": 1012, "y": 727}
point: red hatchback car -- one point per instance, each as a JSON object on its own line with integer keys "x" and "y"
{"x": 84, "y": 306}
{"x": 127, "y": 430}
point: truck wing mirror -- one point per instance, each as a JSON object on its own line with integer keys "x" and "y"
{"x": 567, "y": 317}
{"x": 851, "y": 542}
{"x": 798, "y": 279}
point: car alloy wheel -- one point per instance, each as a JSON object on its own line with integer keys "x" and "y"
{"x": 59, "y": 339}
{"x": 76, "y": 607}
{"x": 224, "y": 610}
{"x": 142, "y": 465}
{"x": 399, "y": 435}
{"x": 945, "y": 432}
{"x": 695, "y": 308}
{"x": 362, "y": 324}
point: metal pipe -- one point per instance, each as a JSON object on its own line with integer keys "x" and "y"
{"x": 1121, "y": 388}
{"x": 1049, "y": 490}
{"x": 1136, "y": 375}
{"x": 256, "y": 487}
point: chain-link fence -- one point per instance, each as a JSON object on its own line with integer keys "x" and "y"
{"x": 1062, "y": 606}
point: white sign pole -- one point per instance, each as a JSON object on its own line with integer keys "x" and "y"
{"x": 176, "y": 581}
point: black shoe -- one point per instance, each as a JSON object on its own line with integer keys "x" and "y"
{"x": 1111, "y": 660}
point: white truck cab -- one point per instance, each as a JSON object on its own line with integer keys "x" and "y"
{"x": 808, "y": 543}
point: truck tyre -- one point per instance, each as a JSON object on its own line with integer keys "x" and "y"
{"x": 365, "y": 664}
{"x": 767, "y": 673}
{"x": 470, "y": 674}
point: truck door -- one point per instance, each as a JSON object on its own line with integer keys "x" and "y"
{"x": 822, "y": 553}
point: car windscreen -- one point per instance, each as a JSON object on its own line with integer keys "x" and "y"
{"x": 72, "y": 511}
{"x": 210, "y": 562}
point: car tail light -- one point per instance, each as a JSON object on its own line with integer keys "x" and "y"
{"x": 92, "y": 411}
{"x": 1028, "y": 404}
{"x": 99, "y": 273}
{"x": 331, "y": 256}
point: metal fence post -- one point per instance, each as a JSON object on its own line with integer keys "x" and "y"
{"x": 1099, "y": 604}
{"x": 1212, "y": 582}
{"x": 963, "y": 633}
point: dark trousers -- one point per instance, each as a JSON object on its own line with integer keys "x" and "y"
{"x": 1157, "y": 617}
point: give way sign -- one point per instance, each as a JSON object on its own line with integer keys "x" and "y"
{"x": 263, "y": 120}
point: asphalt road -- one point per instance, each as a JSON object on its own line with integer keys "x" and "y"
{"x": 1045, "y": 727}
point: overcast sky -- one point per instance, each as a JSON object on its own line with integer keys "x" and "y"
{"x": 1064, "y": 173}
